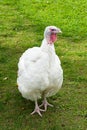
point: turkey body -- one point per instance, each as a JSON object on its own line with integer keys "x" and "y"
{"x": 39, "y": 73}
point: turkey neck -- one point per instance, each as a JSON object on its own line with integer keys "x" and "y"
{"x": 46, "y": 47}
{"x": 49, "y": 49}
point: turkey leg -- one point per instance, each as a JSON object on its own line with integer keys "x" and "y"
{"x": 45, "y": 104}
{"x": 37, "y": 109}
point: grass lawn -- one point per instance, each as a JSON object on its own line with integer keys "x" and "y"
{"x": 22, "y": 24}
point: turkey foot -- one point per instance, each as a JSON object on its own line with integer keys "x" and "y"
{"x": 45, "y": 104}
{"x": 37, "y": 109}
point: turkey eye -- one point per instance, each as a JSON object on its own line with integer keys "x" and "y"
{"x": 52, "y": 30}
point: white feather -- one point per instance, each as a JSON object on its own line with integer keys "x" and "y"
{"x": 39, "y": 72}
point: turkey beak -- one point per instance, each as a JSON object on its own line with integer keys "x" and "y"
{"x": 59, "y": 31}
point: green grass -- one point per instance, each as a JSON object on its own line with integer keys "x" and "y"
{"x": 21, "y": 26}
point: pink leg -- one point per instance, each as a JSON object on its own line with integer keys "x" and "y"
{"x": 45, "y": 104}
{"x": 37, "y": 109}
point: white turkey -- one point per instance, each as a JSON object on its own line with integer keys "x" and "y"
{"x": 39, "y": 71}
